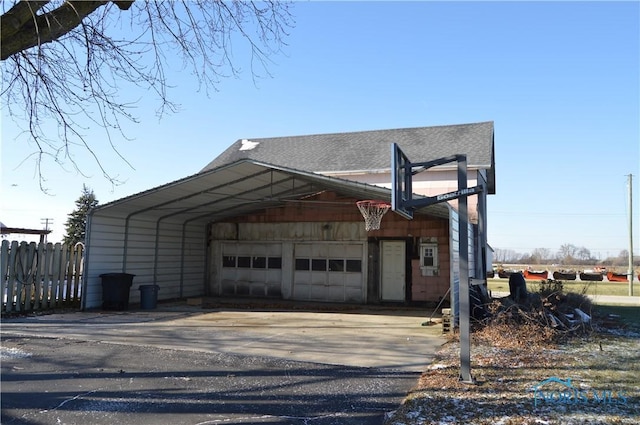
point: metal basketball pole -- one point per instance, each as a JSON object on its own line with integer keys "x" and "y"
{"x": 402, "y": 189}
{"x": 465, "y": 305}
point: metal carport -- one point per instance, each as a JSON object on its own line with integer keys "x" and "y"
{"x": 160, "y": 235}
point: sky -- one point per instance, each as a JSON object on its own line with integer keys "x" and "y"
{"x": 560, "y": 81}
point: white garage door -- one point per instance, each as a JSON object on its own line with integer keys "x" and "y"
{"x": 253, "y": 269}
{"x": 329, "y": 272}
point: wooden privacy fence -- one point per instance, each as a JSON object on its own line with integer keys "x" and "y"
{"x": 40, "y": 276}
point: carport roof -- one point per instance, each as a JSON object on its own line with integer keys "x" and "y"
{"x": 240, "y": 188}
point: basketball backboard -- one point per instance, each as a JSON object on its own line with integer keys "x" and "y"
{"x": 402, "y": 202}
{"x": 400, "y": 182}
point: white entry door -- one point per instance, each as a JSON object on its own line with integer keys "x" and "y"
{"x": 393, "y": 270}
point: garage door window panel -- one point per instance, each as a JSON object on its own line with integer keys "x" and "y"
{"x": 354, "y": 266}
{"x": 274, "y": 263}
{"x": 303, "y": 264}
{"x": 319, "y": 265}
{"x": 244, "y": 262}
{"x": 259, "y": 262}
{"x": 336, "y": 265}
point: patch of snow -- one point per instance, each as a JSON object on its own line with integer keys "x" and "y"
{"x": 13, "y": 353}
{"x": 247, "y": 145}
{"x": 438, "y": 366}
{"x": 413, "y": 414}
{"x": 583, "y": 316}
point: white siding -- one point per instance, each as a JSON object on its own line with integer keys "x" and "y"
{"x": 194, "y": 255}
{"x": 105, "y": 240}
{"x": 170, "y": 254}
{"x": 454, "y": 244}
{"x": 454, "y": 261}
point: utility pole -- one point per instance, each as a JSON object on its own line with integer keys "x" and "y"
{"x": 630, "y": 271}
{"x": 46, "y": 222}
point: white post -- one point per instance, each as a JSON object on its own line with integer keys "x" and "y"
{"x": 630, "y": 270}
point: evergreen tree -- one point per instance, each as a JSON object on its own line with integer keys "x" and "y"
{"x": 76, "y": 225}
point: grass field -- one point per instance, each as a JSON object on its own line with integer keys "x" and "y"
{"x": 579, "y": 287}
{"x": 627, "y": 314}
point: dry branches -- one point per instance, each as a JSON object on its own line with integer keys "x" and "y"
{"x": 68, "y": 63}
{"x": 544, "y": 318}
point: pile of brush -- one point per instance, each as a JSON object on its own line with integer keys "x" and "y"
{"x": 543, "y": 317}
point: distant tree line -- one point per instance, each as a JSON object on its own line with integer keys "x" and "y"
{"x": 568, "y": 254}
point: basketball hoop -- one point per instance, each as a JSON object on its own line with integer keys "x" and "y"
{"x": 372, "y": 211}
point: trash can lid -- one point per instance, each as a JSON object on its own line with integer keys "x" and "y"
{"x": 112, "y": 274}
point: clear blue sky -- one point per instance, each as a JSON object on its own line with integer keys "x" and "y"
{"x": 561, "y": 81}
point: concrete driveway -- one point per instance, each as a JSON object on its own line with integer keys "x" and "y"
{"x": 185, "y": 365}
{"x": 360, "y": 337}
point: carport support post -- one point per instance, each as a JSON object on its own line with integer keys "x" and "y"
{"x": 463, "y": 231}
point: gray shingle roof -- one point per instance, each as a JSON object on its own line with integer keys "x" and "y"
{"x": 367, "y": 150}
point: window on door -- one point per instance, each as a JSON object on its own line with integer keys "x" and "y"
{"x": 247, "y": 262}
{"x": 331, "y": 264}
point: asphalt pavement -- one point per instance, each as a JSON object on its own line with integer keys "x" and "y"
{"x": 181, "y": 365}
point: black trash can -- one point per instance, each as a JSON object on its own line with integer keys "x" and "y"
{"x": 517, "y": 287}
{"x": 115, "y": 290}
{"x": 148, "y": 296}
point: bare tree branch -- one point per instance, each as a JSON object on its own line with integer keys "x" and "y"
{"x": 27, "y": 28}
{"x": 63, "y": 63}
{"x": 12, "y": 21}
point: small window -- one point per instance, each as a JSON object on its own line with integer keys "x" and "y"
{"x": 429, "y": 255}
{"x": 259, "y": 262}
{"x": 336, "y": 265}
{"x": 354, "y": 266}
{"x": 244, "y": 262}
{"x": 319, "y": 265}
{"x": 302, "y": 264}
{"x": 228, "y": 261}
{"x": 274, "y": 263}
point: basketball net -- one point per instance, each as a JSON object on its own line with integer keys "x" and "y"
{"x": 372, "y": 211}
